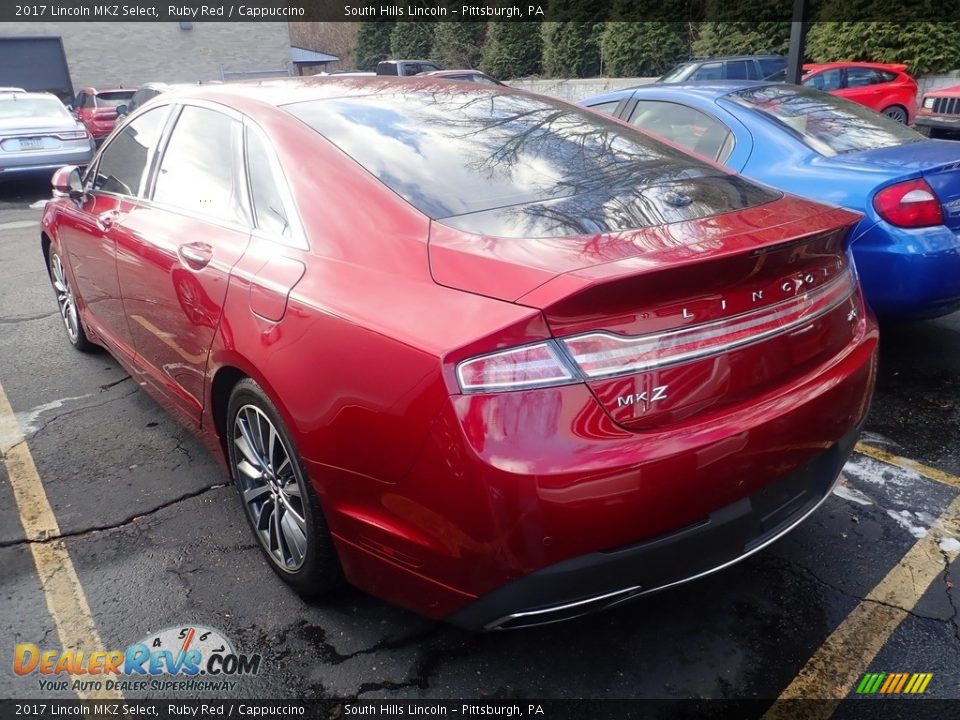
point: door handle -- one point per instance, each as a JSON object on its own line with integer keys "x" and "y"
{"x": 108, "y": 219}
{"x": 196, "y": 254}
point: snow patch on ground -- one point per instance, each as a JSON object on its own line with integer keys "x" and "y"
{"x": 905, "y": 519}
{"x": 847, "y": 492}
{"x": 950, "y": 545}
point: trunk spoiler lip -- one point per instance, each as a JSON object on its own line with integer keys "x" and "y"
{"x": 515, "y": 270}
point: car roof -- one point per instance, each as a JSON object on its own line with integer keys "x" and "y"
{"x": 283, "y": 91}
{"x": 895, "y": 67}
{"x": 21, "y": 95}
{"x": 717, "y": 58}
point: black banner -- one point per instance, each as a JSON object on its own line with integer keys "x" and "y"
{"x": 492, "y": 10}
{"x": 915, "y": 708}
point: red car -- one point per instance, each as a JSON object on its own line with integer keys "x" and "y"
{"x": 888, "y": 89}
{"x": 97, "y": 109}
{"x": 494, "y": 357}
{"x": 939, "y": 114}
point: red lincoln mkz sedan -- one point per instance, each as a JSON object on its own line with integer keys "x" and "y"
{"x": 495, "y": 358}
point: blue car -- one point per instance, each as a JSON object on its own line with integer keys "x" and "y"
{"x": 809, "y": 143}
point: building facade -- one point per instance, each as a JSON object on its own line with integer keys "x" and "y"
{"x": 129, "y": 54}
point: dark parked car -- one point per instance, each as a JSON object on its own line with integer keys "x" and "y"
{"x": 738, "y": 67}
{"x": 523, "y": 362}
{"x": 97, "y": 109}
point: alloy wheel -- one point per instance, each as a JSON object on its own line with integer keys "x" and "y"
{"x": 896, "y": 113}
{"x": 273, "y": 493}
{"x": 65, "y": 299}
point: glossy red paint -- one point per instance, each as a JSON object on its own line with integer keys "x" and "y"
{"x": 880, "y": 86}
{"x": 437, "y": 497}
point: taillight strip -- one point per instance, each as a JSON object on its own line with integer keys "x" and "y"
{"x": 605, "y": 354}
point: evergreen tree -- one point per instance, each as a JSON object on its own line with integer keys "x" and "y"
{"x": 373, "y": 44}
{"x": 923, "y": 46}
{"x": 459, "y": 44}
{"x": 513, "y": 49}
{"x": 412, "y": 40}
{"x": 643, "y": 49}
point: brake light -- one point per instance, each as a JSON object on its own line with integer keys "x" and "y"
{"x": 604, "y": 354}
{"x": 524, "y": 367}
{"x": 909, "y": 204}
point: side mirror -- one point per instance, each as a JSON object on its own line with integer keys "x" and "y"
{"x": 67, "y": 182}
{"x": 122, "y": 110}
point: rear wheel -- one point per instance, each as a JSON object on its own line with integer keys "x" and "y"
{"x": 277, "y": 497}
{"x": 67, "y": 304}
{"x": 895, "y": 112}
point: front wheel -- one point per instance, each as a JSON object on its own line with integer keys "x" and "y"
{"x": 277, "y": 497}
{"x": 67, "y": 303}
{"x": 895, "y": 112}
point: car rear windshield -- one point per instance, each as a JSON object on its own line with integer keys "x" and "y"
{"x": 113, "y": 99}
{"x": 827, "y": 124}
{"x": 16, "y": 106}
{"x": 452, "y": 153}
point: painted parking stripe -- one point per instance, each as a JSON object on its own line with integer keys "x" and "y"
{"x": 65, "y": 598}
{"x": 907, "y": 464}
{"x": 831, "y": 672}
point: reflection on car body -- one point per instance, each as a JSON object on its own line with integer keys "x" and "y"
{"x": 405, "y": 314}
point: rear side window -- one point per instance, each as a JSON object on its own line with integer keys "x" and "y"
{"x": 739, "y": 69}
{"x": 555, "y": 169}
{"x": 771, "y": 66}
{"x": 861, "y": 77}
{"x": 269, "y": 211}
{"x": 685, "y": 126}
{"x": 709, "y": 71}
{"x": 124, "y": 160}
{"x": 199, "y": 171}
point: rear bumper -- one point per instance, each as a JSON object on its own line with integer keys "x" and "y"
{"x": 601, "y": 580}
{"x": 909, "y": 274}
{"x": 45, "y": 161}
{"x": 528, "y": 500}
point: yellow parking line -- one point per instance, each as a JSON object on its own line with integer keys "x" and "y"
{"x": 908, "y": 464}
{"x": 832, "y": 671}
{"x": 61, "y": 587}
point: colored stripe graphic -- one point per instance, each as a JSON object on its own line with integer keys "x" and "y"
{"x": 894, "y": 683}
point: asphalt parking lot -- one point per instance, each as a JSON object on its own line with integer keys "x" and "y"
{"x": 158, "y": 539}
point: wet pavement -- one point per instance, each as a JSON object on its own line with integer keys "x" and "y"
{"x": 159, "y": 540}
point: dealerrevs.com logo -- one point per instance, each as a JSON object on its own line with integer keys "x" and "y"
{"x": 187, "y": 658}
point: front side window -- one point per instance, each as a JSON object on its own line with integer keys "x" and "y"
{"x": 709, "y": 71}
{"x": 124, "y": 160}
{"x": 607, "y": 107}
{"x": 828, "y": 124}
{"x": 199, "y": 171}
{"x": 685, "y": 126}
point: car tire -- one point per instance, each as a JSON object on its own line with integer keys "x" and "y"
{"x": 898, "y": 113}
{"x": 277, "y": 496}
{"x": 67, "y": 303}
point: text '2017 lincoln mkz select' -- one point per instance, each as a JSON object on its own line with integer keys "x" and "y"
{"x": 495, "y": 358}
